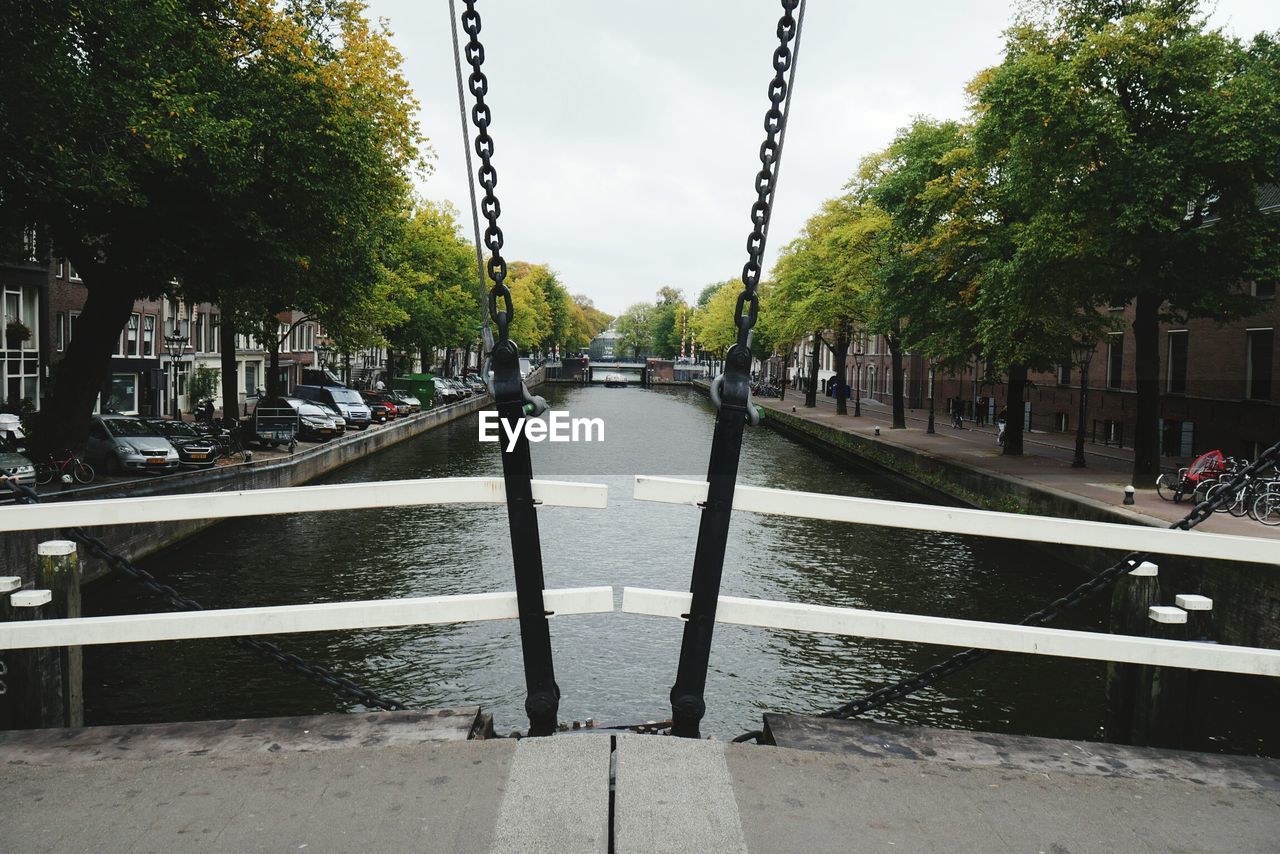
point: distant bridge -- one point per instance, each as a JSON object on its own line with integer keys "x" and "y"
{"x": 631, "y": 371}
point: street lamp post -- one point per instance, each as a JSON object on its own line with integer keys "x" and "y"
{"x": 1082, "y": 353}
{"x": 928, "y": 366}
{"x": 174, "y": 345}
{"x": 857, "y": 395}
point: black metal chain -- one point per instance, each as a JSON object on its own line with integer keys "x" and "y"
{"x": 265, "y": 649}
{"x": 775, "y": 127}
{"x": 487, "y": 175}
{"x": 1054, "y": 609}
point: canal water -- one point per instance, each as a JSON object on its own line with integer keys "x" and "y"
{"x": 615, "y": 668}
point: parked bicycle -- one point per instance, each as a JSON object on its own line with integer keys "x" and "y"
{"x": 1205, "y": 469}
{"x": 66, "y": 463}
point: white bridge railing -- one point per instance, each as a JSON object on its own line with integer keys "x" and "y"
{"x": 774, "y": 615}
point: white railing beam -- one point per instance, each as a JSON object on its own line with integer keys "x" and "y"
{"x": 946, "y": 631}
{"x": 956, "y": 520}
{"x": 286, "y": 619}
{"x": 296, "y": 499}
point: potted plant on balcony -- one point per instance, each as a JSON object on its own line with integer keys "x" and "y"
{"x": 16, "y": 332}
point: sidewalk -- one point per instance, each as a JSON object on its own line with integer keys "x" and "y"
{"x": 1045, "y": 462}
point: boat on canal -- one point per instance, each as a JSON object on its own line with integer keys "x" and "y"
{"x": 615, "y": 381}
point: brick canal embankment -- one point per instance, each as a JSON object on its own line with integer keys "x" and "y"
{"x": 266, "y": 471}
{"x": 966, "y": 467}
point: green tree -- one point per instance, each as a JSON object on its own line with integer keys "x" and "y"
{"x": 635, "y": 330}
{"x": 1131, "y": 140}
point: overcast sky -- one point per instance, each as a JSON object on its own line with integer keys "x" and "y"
{"x": 627, "y": 133}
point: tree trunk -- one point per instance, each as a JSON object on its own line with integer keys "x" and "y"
{"x": 811, "y": 393}
{"x": 273, "y": 362}
{"x": 842, "y": 387}
{"x": 446, "y": 364}
{"x": 1146, "y": 364}
{"x": 1015, "y": 406}
{"x": 84, "y": 368}
{"x": 391, "y": 365}
{"x": 230, "y": 376}
{"x": 928, "y": 366}
{"x": 895, "y": 359}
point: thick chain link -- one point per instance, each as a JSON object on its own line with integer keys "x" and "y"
{"x": 1057, "y": 607}
{"x": 775, "y": 128}
{"x": 265, "y": 649}
{"x": 487, "y": 175}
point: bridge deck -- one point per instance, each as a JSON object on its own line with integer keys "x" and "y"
{"x": 408, "y": 781}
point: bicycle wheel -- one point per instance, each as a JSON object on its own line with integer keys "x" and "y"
{"x": 44, "y": 473}
{"x": 83, "y": 471}
{"x": 1243, "y": 501}
{"x": 1266, "y": 508}
{"x": 1164, "y": 487}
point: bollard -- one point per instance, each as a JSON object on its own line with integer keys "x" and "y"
{"x": 1128, "y": 494}
{"x": 1200, "y": 683}
{"x": 35, "y": 680}
{"x": 1199, "y": 616}
{"x": 877, "y": 431}
{"x": 8, "y": 584}
{"x": 60, "y": 575}
{"x": 1134, "y": 593}
{"x": 1160, "y": 715}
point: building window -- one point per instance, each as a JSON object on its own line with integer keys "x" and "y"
{"x": 215, "y": 333}
{"x": 1064, "y": 375}
{"x": 149, "y": 336}
{"x": 131, "y": 345}
{"x": 1061, "y": 422}
{"x": 72, "y": 274}
{"x": 124, "y": 393}
{"x": 1258, "y": 365}
{"x": 1115, "y": 359}
{"x": 61, "y": 270}
{"x": 197, "y": 332}
{"x": 1264, "y": 290}
{"x": 73, "y": 321}
{"x": 60, "y": 332}
{"x": 250, "y": 378}
{"x": 1178, "y": 361}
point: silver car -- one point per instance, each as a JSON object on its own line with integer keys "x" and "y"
{"x": 119, "y": 443}
{"x": 14, "y": 466}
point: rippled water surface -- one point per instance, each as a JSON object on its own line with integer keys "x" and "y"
{"x": 614, "y": 667}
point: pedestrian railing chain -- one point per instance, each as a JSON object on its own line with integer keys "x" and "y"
{"x": 1054, "y": 609}
{"x": 265, "y": 649}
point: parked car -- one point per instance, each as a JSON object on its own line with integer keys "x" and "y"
{"x": 385, "y": 398}
{"x": 378, "y": 412}
{"x": 14, "y": 466}
{"x": 403, "y": 399}
{"x": 339, "y": 423}
{"x": 445, "y": 393}
{"x": 195, "y": 450}
{"x": 120, "y": 443}
{"x": 315, "y": 424}
{"x": 345, "y": 400}
{"x": 478, "y": 385}
{"x": 460, "y": 389}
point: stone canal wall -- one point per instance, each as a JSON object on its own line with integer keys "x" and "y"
{"x": 18, "y": 550}
{"x": 1246, "y": 596}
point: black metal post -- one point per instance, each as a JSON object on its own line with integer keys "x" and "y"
{"x": 542, "y": 700}
{"x": 1083, "y": 353}
{"x": 687, "y": 703}
{"x": 857, "y": 398}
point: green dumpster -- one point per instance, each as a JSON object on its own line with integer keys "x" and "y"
{"x": 421, "y": 386}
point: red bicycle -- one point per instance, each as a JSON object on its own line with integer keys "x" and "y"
{"x": 69, "y": 463}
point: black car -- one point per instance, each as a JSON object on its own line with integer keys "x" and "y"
{"x": 194, "y": 449}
